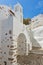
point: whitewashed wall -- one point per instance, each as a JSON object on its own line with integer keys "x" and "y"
{"x": 10, "y": 29}
{"x": 37, "y": 30}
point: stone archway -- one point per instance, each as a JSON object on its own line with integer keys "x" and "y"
{"x": 21, "y": 44}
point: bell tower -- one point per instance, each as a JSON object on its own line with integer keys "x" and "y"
{"x": 19, "y": 12}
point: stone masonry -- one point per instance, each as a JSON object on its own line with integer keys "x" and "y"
{"x": 31, "y": 59}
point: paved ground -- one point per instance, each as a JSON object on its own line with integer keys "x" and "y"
{"x": 31, "y": 59}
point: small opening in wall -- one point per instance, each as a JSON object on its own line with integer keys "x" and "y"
{"x": 4, "y": 52}
{"x": 5, "y": 63}
{"x": 11, "y": 59}
{"x": 7, "y": 45}
{"x": 5, "y": 33}
{"x": 10, "y": 37}
{"x": 12, "y": 46}
{"x": 11, "y": 12}
{"x": 10, "y": 32}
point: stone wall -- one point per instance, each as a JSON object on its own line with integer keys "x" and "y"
{"x": 31, "y": 59}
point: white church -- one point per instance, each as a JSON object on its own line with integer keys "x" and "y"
{"x": 17, "y": 38}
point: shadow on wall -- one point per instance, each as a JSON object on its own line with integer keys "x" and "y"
{"x": 21, "y": 43}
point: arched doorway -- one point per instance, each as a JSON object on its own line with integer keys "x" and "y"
{"x": 21, "y": 44}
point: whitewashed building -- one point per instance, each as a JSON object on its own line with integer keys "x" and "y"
{"x": 36, "y": 34}
{"x": 14, "y": 38}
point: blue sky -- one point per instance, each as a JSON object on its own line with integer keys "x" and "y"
{"x": 31, "y": 8}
